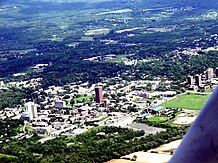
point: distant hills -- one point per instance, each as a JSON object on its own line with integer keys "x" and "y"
{"x": 195, "y": 3}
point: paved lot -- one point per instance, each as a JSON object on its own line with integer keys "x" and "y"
{"x": 146, "y": 128}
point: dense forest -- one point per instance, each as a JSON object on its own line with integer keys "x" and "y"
{"x": 66, "y": 70}
{"x": 13, "y": 97}
{"x": 176, "y": 68}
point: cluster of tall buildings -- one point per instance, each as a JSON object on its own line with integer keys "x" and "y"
{"x": 194, "y": 80}
{"x": 31, "y": 108}
{"x": 197, "y": 79}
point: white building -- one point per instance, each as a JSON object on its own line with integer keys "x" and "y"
{"x": 31, "y": 108}
{"x": 209, "y": 73}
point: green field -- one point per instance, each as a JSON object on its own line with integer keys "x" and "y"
{"x": 187, "y": 101}
{"x": 158, "y": 119}
{"x": 83, "y": 98}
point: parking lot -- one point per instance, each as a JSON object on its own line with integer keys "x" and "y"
{"x": 148, "y": 129}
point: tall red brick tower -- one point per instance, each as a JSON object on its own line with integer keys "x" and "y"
{"x": 98, "y": 95}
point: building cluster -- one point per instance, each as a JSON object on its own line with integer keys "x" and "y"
{"x": 204, "y": 80}
{"x": 76, "y": 107}
{"x": 108, "y": 57}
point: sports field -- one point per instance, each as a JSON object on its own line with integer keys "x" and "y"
{"x": 158, "y": 119}
{"x": 190, "y": 101}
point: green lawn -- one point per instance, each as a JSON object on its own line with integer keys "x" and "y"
{"x": 187, "y": 101}
{"x": 158, "y": 119}
{"x": 81, "y": 98}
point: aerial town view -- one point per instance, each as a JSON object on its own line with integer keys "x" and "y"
{"x": 93, "y": 81}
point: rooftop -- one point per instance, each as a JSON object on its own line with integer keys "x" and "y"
{"x": 157, "y": 108}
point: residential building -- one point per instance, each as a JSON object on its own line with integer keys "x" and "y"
{"x": 198, "y": 80}
{"x": 209, "y": 73}
{"x": 216, "y": 71}
{"x": 31, "y": 108}
{"x": 190, "y": 80}
{"x": 59, "y": 104}
{"x": 98, "y": 95}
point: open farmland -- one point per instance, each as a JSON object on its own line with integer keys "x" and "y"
{"x": 188, "y": 101}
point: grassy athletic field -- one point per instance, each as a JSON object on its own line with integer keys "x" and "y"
{"x": 158, "y": 119}
{"x": 190, "y": 101}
